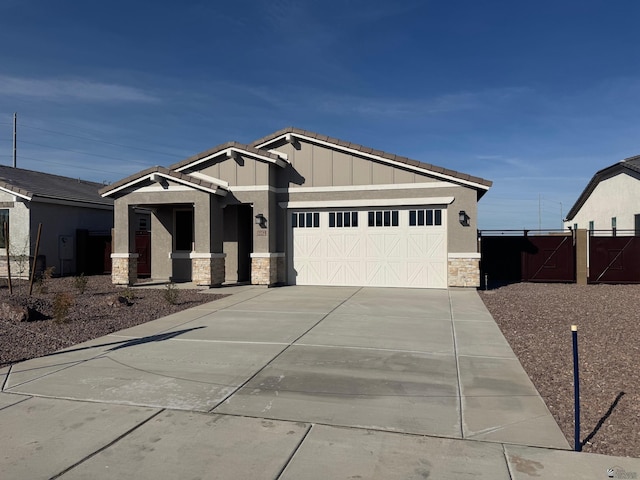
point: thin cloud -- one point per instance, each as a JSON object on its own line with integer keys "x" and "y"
{"x": 78, "y": 89}
{"x": 446, "y": 103}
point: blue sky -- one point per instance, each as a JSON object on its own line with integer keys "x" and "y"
{"x": 535, "y": 96}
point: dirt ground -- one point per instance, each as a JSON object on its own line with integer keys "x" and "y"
{"x": 536, "y": 319}
{"x": 101, "y": 309}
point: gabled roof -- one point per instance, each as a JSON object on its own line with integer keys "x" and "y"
{"x": 228, "y": 148}
{"x": 629, "y": 165}
{"x": 30, "y": 184}
{"x": 157, "y": 173}
{"x": 480, "y": 183}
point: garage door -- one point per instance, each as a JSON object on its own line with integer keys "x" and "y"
{"x": 381, "y": 247}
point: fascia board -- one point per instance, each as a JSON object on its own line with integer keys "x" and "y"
{"x": 279, "y": 161}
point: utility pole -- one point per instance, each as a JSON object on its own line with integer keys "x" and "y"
{"x": 539, "y": 212}
{"x": 15, "y": 137}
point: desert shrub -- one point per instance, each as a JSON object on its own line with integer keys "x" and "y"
{"x": 41, "y": 281}
{"x": 171, "y": 294}
{"x": 62, "y": 303}
{"x": 128, "y": 294}
{"x": 80, "y": 283}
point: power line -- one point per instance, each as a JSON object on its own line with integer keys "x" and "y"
{"x": 79, "y": 151}
{"x": 65, "y": 164}
{"x": 99, "y": 141}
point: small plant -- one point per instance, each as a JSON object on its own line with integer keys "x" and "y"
{"x": 171, "y": 294}
{"x": 129, "y": 295}
{"x": 80, "y": 283}
{"x": 62, "y": 303}
{"x": 42, "y": 279}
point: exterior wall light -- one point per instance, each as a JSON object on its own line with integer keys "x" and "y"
{"x": 463, "y": 218}
{"x": 261, "y": 220}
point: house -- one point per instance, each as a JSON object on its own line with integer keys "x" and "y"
{"x": 610, "y": 201}
{"x": 296, "y": 207}
{"x": 62, "y": 205}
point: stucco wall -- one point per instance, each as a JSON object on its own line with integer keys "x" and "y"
{"x": 63, "y": 220}
{"x": 618, "y": 196}
{"x": 20, "y": 246}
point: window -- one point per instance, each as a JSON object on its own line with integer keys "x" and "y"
{"x": 613, "y": 225}
{"x": 305, "y": 219}
{"x": 183, "y": 237}
{"x": 383, "y": 218}
{"x": 343, "y": 219}
{"x": 427, "y": 217}
{"x": 591, "y": 226}
{"x": 4, "y": 218}
{"x": 575, "y": 227}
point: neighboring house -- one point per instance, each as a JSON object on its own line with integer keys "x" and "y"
{"x": 62, "y": 205}
{"x": 611, "y": 200}
{"x": 296, "y": 207}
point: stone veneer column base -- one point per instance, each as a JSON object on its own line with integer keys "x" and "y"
{"x": 267, "y": 268}
{"x": 124, "y": 268}
{"x": 208, "y": 269}
{"x": 464, "y": 270}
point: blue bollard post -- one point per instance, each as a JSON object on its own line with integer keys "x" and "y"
{"x": 576, "y": 390}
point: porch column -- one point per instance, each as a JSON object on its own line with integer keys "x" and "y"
{"x": 124, "y": 259}
{"x": 267, "y": 265}
{"x": 208, "y": 259}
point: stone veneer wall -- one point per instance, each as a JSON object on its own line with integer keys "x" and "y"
{"x": 208, "y": 271}
{"x": 267, "y": 270}
{"x": 124, "y": 270}
{"x": 464, "y": 272}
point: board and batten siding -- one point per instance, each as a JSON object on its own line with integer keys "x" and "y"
{"x": 244, "y": 171}
{"x": 322, "y": 166}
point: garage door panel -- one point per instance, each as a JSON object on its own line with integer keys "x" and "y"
{"x": 401, "y": 255}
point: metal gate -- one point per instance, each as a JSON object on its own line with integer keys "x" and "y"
{"x": 552, "y": 259}
{"x": 516, "y": 256}
{"x": 614, "y": 259}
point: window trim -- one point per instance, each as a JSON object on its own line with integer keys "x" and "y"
{"x": 3, "y": 240}
{"x": 383, "y": 218}
{"x": 425, "y": 217}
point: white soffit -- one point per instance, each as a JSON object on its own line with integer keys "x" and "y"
{"x": 153, "y": 177}
{"x": 229, "y": 152}
{"x": 353, "y": 151}
{"x": 210, "y": 179}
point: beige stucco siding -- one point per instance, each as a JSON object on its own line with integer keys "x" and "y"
{"x": 19, "y": 234}
{"x": 618, "y": 196}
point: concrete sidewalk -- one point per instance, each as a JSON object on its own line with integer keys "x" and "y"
{"x": 290, "y": 383}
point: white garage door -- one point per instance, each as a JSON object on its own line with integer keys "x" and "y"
{"x": 385, "y": 247}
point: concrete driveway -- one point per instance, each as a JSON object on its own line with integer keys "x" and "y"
{"x": 287, "y": 383}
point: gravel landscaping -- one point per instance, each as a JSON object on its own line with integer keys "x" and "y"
{"x": 101, "y": 309}
{"x": 536, "y": 319}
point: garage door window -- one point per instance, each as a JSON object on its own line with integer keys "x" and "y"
{"x": 305, "y": 219}
{"x": 343, "y": 219}
{"x": 383, "y": 218}
{"x": 428, "y": 217}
